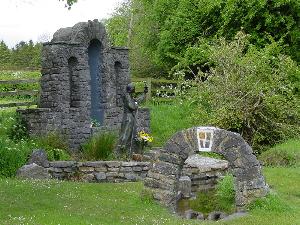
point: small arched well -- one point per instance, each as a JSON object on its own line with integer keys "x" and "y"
{"x": 163, "y": 178}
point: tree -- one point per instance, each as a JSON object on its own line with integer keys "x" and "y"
{"x": 5, "y": 55}
{"x": 69, "y": 3}
{"x": 163, "y": 30}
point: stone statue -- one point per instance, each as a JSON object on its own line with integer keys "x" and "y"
{"x": 129, "y": 118}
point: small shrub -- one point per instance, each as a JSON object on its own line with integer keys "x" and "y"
{"x": 286, "y": 154}
{"x": 220, "y": 199}
{"x": 55, "y": 146}
{"x": 13, "y": 156}
{"x": 100, "y": 146}
{"x": 18, "y": 130}
{"x": 58, "y": 154}
{"x": 205, "y": 202}
{"x": 226, "y": 194}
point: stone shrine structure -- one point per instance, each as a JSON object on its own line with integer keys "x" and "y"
{"x": 167, "y": 175}
{"x": 83, "y": 79}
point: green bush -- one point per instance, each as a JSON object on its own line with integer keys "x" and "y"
{"x": 100, "y": 146}
{"x": 254, "y": 92}
{"x": 285, "y": 154}
{"x": 13, "y": 155}
{"x": 205, "y": 202}
{"x": 226, "y": 194}
{"x": 18, "y": 130}
{"x": 220, "y": 199}
{"x": 55, "y": 145}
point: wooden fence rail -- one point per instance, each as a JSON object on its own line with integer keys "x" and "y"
{"x": 21, "y": 81}
{"x": 154, "y": 87}
{"x": 18, "y": 92}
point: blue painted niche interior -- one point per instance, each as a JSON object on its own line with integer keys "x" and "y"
{"x": 95, "y": 64}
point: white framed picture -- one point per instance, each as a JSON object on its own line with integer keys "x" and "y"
{"x": 205, "y": 137}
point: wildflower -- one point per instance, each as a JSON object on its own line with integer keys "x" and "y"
{"x": 144, "y": 137}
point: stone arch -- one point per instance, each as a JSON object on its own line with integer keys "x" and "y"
{"x": 163, "y": 177}
{"x": 83, "y": 33}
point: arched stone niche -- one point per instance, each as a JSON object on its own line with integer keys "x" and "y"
{"x": 163, "y": 177}
{"x": 83, "y": 79}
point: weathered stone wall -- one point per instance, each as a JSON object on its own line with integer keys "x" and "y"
{"x": 204, "y": 172}
{"x": 66, "y": 100}
{"x": 99, "y": 171}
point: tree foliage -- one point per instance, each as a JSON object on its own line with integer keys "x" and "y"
{"x": 254, "y": 93}
{"x": 25, "y": 55}
{"x": 162, "y": 30}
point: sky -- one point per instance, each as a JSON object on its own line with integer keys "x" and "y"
{"x": 37, "y": 20}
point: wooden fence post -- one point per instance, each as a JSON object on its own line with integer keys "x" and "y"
{"x": 149, "y": 94}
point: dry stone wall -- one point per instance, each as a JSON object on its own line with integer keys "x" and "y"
{"x": 99, "y": 171}
{"x": 204, "y": 172}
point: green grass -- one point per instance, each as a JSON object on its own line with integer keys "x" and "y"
{"x": 285, "y": 154}
{"x": 100, "y": 146}
{"x": 55, "y": 202}
{"x": 167, "y": 119}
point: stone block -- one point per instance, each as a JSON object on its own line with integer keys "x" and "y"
{"x": 166, "y": 197}
{"x": 137, "y": 169}
{"x": 185, "y": 186}
{"x": 70, "y": 169}
{"x": 146, "y": 168}
{"x": 190, "y": 214}
{"x": 165, "y": 168}
{"x": 113, "y": 169}
{"x": 100, "y": 169}
{"x": 171, "y": 158}
{"x": 88, "y": 177}
{"x": 56, "y": 169}
{"x": 39, "y": 157}
{"x": 86, "y": 169}
{"x": 113, "y": 163}
{"x": 100, "y": 176}
{"x": 129, "y": 164}
{"x": 166, "y": 178}
{"x": 112, "y": 174}
{"x": 160, "y": 184}
{"x": 62, "y": 164}
{"x": 94, "y": 164}
{"x": 131, "y": 176}
{"x": 33, "y": 171}
{"x": 125, "y": 169}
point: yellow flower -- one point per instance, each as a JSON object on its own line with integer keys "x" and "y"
{"x": 144, "y": 137}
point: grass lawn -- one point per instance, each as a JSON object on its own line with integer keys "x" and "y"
{"x": 56, "y": 202}
{"x": 167, "y": 119}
